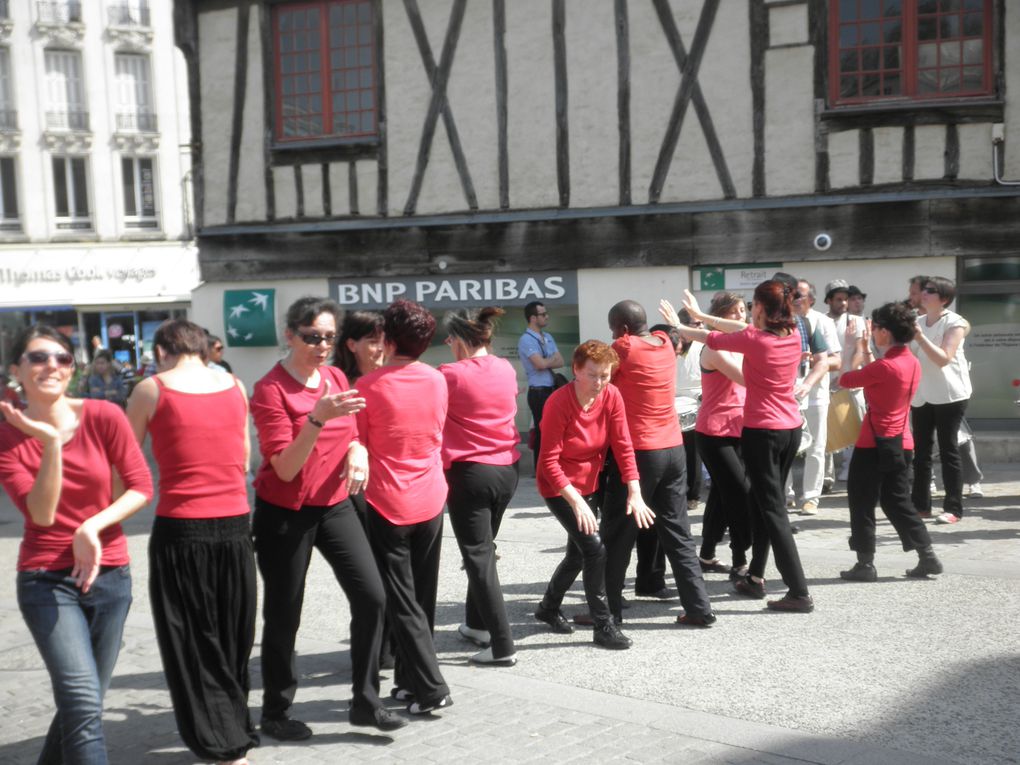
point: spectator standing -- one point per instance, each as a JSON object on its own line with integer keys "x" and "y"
{"x": 850, "y": 330}
{"x": 539, "y": 357}
{"x": 103, "y": 381}
{"x": 855, "y": 301}
{"x": 215, "y": 353}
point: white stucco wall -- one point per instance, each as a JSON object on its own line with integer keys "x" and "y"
{"x": 789, "y": 121}
{"x": 217, "y": 59}
{"x": 601, "y": 288}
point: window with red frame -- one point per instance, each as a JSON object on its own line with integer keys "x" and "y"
{"x": 324, "y": 67}
{"x": 882, "y": 50}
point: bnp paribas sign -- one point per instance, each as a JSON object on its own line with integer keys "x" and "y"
{"x": 458, "y": 291}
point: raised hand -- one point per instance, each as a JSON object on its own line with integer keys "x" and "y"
{"x": 668, "y": 313}
{"x": 691, "y": 304}
{"x": 331, "y": 405}
{"x": 33, "y": 428}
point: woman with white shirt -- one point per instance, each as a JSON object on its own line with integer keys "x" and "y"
{"x": 941, "y": 398}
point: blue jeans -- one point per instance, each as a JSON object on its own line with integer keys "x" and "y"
{"x": 79, "y": 638}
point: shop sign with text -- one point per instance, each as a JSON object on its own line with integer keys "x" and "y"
{"x": 457, "y": 291}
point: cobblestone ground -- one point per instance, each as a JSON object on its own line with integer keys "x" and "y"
{"x": 892, "y": 672}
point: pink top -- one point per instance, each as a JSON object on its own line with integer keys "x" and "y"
{"x": 102, "y": 442}
{"x": 770, "y": 371}
{"x": 646, "y": 378}
{"x": 483, "y": 404}
{"x": 575, "y": 442}
{"x": 402, "y": 426}
{"x": 722, "y": 405}
{"x": 889, "y": 385}
{"x": 198, "y": 443}
{"x": 280, "y": 406}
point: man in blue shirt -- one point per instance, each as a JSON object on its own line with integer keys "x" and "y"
{"x": 540, "y": 357}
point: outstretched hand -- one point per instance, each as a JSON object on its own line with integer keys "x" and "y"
{"x": 331, "y": 405}
{"x": 668, "y": 313}
{"x": 33, "y": 428}
{"x": 691, "y": 304}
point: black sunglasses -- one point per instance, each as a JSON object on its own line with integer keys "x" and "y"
{"x": 63, "y": 358}
{"x": 931, "y": 290}
{"x": 314, "y": 338}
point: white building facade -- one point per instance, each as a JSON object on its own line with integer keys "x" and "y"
{"x": 95, "y": 222}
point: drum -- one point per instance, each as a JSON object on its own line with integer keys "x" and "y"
{"x": 687, "y": 411}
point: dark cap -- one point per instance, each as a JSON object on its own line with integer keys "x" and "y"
{"x": 853, "y": 291}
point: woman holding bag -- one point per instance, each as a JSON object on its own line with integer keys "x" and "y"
{"x": 881, "y": 460}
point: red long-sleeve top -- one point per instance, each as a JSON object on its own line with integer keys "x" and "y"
{"x": 889, "y": 385}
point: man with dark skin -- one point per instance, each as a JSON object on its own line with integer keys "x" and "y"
{"x": 647, "y": 381}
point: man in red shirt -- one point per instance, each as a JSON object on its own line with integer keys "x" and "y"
{"x": 646, "y": 378}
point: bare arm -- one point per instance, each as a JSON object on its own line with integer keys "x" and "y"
{"x": 723, "y": 362}
{"x": 85, "y": 543}
{"x": 538, "y": 361}
{"x": 941, "y": 355}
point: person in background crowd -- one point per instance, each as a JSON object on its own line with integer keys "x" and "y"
{"x": 103, "y": 382}
{"x": 688, "y": 383}
{"x": 57, "y": 463}
{"x": 402, "y": 427}
{"x": 202, "y": 582}
{"x": 480, "y": 461}
{"x": 646, "y": 380}
{"x": 539, "y": 357}
{"x": 586, "y": 417}
{"x": 312, "y": 462}
{"x": 850, "y": 329}
{"x": 855, "y": 301}
{"x": 771, "y": 431}
{"x": 941, "y": 398}
{"x": 215, "y": 354}
{"x": 879, "y": 470}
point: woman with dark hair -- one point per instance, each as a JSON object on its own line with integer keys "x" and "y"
{"x": 720, "y": 420}
{"x": 103, "y": 382}
{"x": 941, "y": 398}
{"x": 311, "y": 462}
{"x": 360, "y": 347}
{"x": 57, "y": 463}
{"x": 770, "y": 434}
{"x": 402, "y": 427}
{"x": 480, "y": 460}
{"x": 880, "y": 464}
{"x": 581, "y": 422}
{"x": 201, "y": 563}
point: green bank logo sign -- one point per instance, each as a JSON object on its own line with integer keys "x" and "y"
{"x": 460, "y": 291}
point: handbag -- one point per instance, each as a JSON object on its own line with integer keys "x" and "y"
{"x": 559, "y": 380}
{"x": 889, "y": 449}
{"x": 844, "y": 421}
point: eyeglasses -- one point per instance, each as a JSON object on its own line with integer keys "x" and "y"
{"x": 217, "y": 348}
{"x": 542, "y": 313}
{"x": 930, "y": 290}
{"x": 314, "y": 338}
{"x": 63, "y": 358}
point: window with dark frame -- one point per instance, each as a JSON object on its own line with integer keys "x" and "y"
{"x": 324, "y": 70}
{"x": 889, "y": 50}
{"x": 70, "y": 193}
{"x": 9, "y": 218}
{"x": 139, "y": 178}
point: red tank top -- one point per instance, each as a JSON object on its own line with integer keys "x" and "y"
{"x": 198, "y": 443}
{"x": 722, "y": 405}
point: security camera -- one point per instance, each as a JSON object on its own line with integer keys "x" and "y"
{"x": 822, "y": 242}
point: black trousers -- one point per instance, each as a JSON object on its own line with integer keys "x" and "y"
{"x": 664, "y": 490}
{"x": 693, "y": 457}
{"x": 768, "y": 456}
{"x": 202, "y": 590}
{"x": 585, "y": 555}
{"x": 536, "y": 403}
{"x": 387, "y": 647}
{"x": 408, "y": 558}
{"x": 727, "y": 505}
{"x": 866, "y": 487}
{"x": 478, "y": 497}
{"x": 942, "y": 421}
{"x": 284, "y": 540}
{"x": 650, "y": 571}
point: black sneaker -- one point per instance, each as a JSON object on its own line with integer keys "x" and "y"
{"x": 609, "y": 636}
{"x": 285, "y": 729}
{"x": 555, "y": 619}
{"x": 861, "y": 572}
{"x": 380, "y": 718}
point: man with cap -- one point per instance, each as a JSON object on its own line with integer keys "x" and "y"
{"x": 855, "y": 301}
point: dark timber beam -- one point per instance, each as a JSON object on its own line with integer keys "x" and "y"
{"x": 623, "y": 96}
{"x": 559, "y": 24}
{"x": 438, "y": 104}
{"x": 759, "y": 36}
{"x": 499, "y": 50}
{"x": 237, "y": 117}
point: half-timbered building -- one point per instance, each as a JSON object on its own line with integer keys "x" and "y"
{"x": 464, "y": 152}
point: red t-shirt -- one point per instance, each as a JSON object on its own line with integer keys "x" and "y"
{"x": 483, "y": 404}
{"x": 770, "y": 372}
{"x": 721, "y": 413}
{"x": 103, "y": 441}
{"x": 280, "y": 405}
{"x": 402, "y": 427}
{"x": 198, "y": 443}
{"x": 889, "y": 385}
{"x": 646, "y": 378}
{"x": 575, "y": 442}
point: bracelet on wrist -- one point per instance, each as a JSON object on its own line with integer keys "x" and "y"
{"x": 314, "y": 421}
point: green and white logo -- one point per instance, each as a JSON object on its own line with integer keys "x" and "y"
{"x": 250, "y": 317}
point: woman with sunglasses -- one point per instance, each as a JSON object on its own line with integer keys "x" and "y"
{"x": 201, "y": 565}
{"x": 881, "y": 459}
{"x": 770, "y": 434}
{"x": 941, "y": 398}
{"x": 57, "y": 463}
{"x": 480, "y": 461}
{"x": 311, "y": 462}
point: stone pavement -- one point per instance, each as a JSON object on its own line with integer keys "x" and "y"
{"x": 893, "y": 672}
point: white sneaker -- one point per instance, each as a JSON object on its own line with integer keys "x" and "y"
{"x": 933, "y": 489}
{"x": 486, "y": 658}
{"x": 975, "y": 491}
{"x": 480, "y": 638}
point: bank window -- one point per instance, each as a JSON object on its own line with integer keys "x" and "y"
{"x": 9, "y": 218}
{"x": 884, "y": 50}
{"x": 139, "y": 177}
{"x": 324, "y": 70}
{"x": 70, "y": 193}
